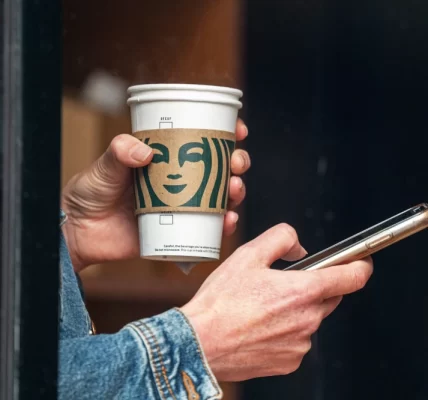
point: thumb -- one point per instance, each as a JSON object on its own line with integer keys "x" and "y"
{"x": 281, "y": 241}
{"x": 125, "y": 151}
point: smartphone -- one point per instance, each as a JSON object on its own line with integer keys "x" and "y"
{"x": 368, "y": 241}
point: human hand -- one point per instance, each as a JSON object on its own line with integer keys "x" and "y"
{"x": 99, "y": 202}
{"x": 253, "y": 321}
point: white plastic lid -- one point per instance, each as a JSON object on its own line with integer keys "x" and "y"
{"x": 185, "y": 92}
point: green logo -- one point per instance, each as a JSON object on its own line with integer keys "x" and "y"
{"x": 187, "y": 171}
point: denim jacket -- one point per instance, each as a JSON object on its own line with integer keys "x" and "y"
{"x": 157, "y": 358}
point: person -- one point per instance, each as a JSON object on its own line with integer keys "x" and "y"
{"x": 246, "y": 320}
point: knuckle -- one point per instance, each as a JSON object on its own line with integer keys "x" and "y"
{"x": 119, "y": 140}
{"x": 289, "y": 363}
{"x": 313, "y": 323}
{"x": 251, "y": 251}
{"x": 246, "y": 251}
{"x": 295, "y": 365}
{"x": 313, "y": 326}
{"x": 359, "y": 278}
{"x": 306, "y": 290}
{"x": 285, "y": 368}
{"x": 307, "y": 347}
{"x": 314, "y": 285}
{"x": 118, "y": 143}
{"x": 288, "y": 232}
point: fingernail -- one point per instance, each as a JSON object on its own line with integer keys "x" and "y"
{"x": 303, "y": 252}
{"x": 235, "y": 217}
{"x": 140, "y": 152}
{"x": 295, "y": 254}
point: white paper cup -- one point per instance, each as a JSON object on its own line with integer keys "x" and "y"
{"x": 182, "y": 236}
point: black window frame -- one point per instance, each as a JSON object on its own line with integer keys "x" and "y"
{"x": 30, "y": 175}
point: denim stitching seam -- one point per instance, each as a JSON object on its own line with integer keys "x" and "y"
{"x": 159, "y": 352}
{"x": 152, "y": 358}
{"x": 203, "y": 360}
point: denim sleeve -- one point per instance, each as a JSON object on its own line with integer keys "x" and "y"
{"x": 156, "y": 358}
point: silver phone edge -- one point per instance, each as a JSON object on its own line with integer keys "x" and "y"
{"x": 361, "y": 250}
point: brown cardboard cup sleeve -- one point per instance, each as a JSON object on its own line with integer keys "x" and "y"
{"x": 189, "y": 172}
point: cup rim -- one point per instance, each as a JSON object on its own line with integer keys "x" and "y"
{"x": 132, "y": 90}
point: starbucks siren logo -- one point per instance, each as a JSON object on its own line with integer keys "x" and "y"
{"x": 190, "y": 171}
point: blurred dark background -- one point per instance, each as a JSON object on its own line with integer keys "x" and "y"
{"x": 336, "y": 96}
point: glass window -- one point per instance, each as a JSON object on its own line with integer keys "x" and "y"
{"x": 30, "y": 150}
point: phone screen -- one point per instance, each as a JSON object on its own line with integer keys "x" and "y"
{"x": 390, "y": 222}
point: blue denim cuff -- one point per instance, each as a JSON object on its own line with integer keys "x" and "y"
{"x": 178, "y": 363}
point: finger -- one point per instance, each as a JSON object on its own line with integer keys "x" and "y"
{"x": 126, "y": 150}
{"x": 241, "y": 130}
{"x": 240, "y": 162}
{"x": 281, "y": 241}
{"x": 330, "y": 305}
{"x": 344, "y": 279}
{"x": 230, "y": 223}
{"x": 236, "y": 192}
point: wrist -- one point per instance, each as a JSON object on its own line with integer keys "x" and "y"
{"x": 212, "y": 345}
